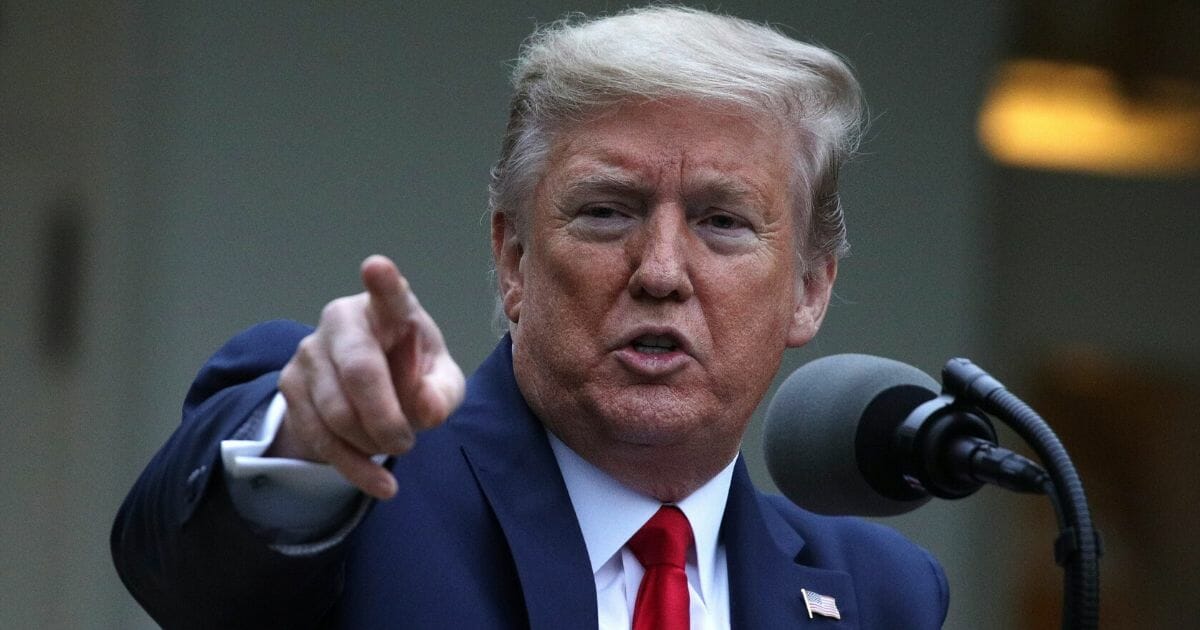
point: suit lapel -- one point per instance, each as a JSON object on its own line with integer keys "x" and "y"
{"x": 524, "y": 487}
{"x": 765, "y": 581}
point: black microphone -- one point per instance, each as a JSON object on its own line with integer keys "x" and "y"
{"x": 863, "y": 435}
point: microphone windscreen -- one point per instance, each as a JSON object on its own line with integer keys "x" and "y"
{"x": 812, "y": 428}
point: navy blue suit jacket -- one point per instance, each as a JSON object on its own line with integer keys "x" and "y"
{"x": 481, "y": 535}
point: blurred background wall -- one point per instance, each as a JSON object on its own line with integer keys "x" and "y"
{"x": 173, "y": 172}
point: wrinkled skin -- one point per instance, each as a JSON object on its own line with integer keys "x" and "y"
{"x": 655, "y": 287}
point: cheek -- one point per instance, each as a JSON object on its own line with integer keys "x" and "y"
{"x": 571, "y": 289}
{"x": 758, "y": 288}
{"x": 749, "y": 315}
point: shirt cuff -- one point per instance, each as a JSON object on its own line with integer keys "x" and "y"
{"x": 292, "y": 501}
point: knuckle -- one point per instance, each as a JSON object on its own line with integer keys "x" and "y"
{"x": 359, "y": 370}
{"x": 305, "y": 356}
{"x": 308, "y": 345}
{"x": 336, "y": 415}
{"x": 287, "y": 377}
{"x": 334, "y": 309}
{"x": 291, "y": 385}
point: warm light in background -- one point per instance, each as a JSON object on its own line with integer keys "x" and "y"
{"x": 1068, "y": 116}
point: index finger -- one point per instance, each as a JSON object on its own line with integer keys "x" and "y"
{"x": 391, "y": 301}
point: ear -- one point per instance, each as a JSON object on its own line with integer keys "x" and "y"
{"x": 507, "y": 254}
{"x": 812, "y": 299}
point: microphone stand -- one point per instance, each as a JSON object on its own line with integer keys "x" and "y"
{"x": 1077, "y": 548}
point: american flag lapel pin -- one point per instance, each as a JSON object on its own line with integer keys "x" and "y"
{"x": 818, "y": 604}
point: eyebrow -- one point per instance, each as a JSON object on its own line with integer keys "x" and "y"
{"x": 710, "y": 188}
{"x": 608, "y": 181}
{"x": 718, "y": 188}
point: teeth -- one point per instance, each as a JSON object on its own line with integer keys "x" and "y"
{"x": 654, "y": 344}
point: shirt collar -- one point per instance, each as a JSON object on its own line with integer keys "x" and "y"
{"x": 610, "y": 513}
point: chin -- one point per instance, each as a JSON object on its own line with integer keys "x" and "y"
{"x": 651, "y": 415}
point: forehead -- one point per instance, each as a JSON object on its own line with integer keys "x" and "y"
{"x": 655, "y": 146}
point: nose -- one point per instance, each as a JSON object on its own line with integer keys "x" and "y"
{"x": 659, "y": 255}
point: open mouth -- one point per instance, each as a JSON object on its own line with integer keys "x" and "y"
{"x": 655, "y": 344}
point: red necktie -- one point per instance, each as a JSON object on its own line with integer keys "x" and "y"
{"x": 661, "y": 546}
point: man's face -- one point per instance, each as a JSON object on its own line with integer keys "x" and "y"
{"x": 656, "y": 284}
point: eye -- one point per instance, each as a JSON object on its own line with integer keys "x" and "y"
{"x": 725, "y": 222}
{"x": 601, "y": 221}
{"x": 599, "y": 212}
{"x": 727, "y": 232}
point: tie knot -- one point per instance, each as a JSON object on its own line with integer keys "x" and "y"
{"x": 664, "y": 539}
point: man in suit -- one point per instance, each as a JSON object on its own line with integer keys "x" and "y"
{"x": 665, "y": 222}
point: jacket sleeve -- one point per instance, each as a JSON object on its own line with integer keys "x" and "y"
{"x": 179, "y": 545}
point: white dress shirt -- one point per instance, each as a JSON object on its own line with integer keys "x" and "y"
{"x": 301, "y": 500}
{"x": 610, "y": 513}
{"x": 296, "y": 499}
